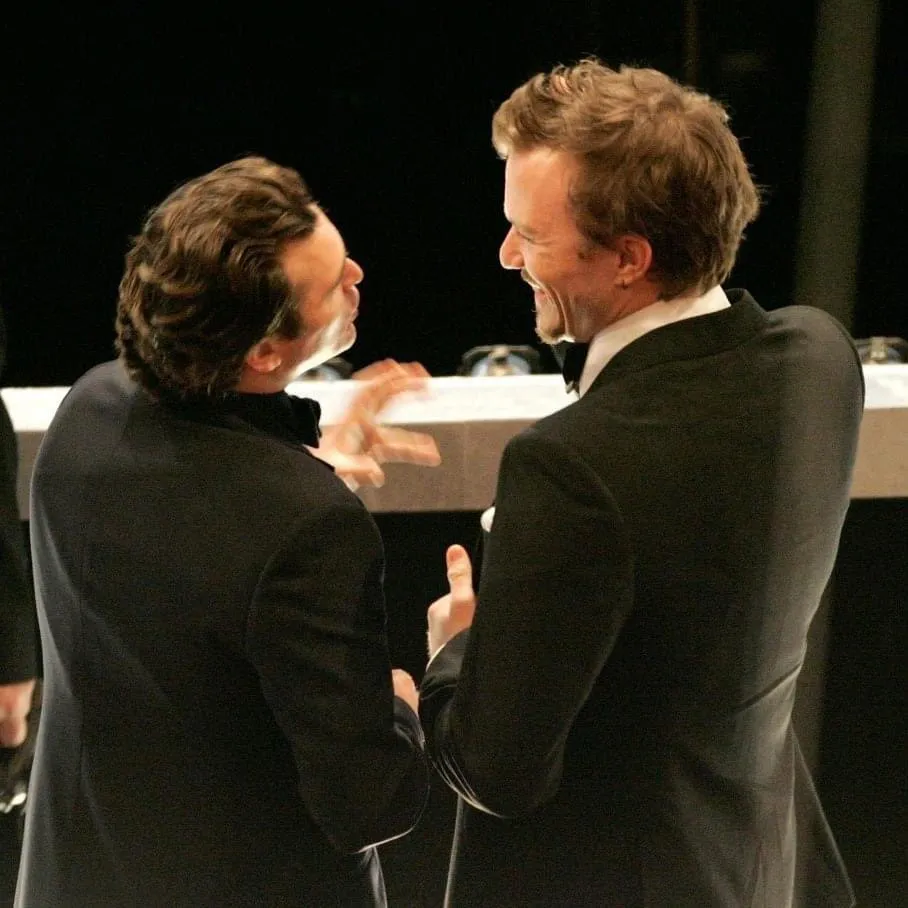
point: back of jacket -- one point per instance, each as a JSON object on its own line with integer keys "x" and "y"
{"x": 219, "y": 726}
{"x": 658, "y": 552}
{"x": 732, "y": 473}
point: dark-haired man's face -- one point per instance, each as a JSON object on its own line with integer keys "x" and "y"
{"x": 325, "y": 279}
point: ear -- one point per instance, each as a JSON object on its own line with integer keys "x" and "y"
{"x": 264, "y": 357}
{"x": 635, "y": 257}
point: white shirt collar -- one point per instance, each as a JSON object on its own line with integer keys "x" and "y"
{"x": 621, "y": 333}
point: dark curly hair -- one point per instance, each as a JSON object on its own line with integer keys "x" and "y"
{"x": 657, "y": 159}
{"x": 203, "y": 281}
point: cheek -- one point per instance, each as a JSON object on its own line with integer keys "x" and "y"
{"x": 546, "y": 273}
{"x": 531, "y": 265}
{"x": 336, "y": 327}
{"x": 322, "y": 320}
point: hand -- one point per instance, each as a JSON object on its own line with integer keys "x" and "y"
{"x": 15, "y": 703}
{"x": 453, "y": 612}
{"x": 357, "y": 445}
{"x": 405, "y": 688}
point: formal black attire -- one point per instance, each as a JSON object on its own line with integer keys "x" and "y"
{"x": 18, "y": 660}
{"x": 617, "y": 721}
{"x": 219, "y": 724}
{"x": 19, "y": 656}
{"x": 18, "y": 638}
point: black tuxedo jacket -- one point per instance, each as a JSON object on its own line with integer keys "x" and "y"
{"x": 219, "y": 727}
{"x": 18, "y": 661}
{"x": 618, "y": 719}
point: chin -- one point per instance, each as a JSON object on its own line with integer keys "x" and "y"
{"x": 347, "y": 341}
{"x": 550, "y": 325}
{"x": 550, "y": 334}
{"x": 343, "y": 343}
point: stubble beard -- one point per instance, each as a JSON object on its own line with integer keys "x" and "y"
{"x": 550, "y": 337}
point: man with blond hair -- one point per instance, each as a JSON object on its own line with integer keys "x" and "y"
{"x": 614, "y": 704}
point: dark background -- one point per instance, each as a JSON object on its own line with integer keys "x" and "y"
{"x": 385, "y": 109}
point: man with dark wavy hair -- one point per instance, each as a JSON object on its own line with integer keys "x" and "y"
{"x": 221, "y": 725}
{"x": 614, "y": 704}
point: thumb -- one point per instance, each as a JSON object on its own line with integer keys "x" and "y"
{"x": 460, "y": 572}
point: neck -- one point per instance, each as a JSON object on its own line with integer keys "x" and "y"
{"x": 252, "y": 382}
{"x": 636, "y": 297}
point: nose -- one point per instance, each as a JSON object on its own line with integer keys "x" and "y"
{"x": 354, "y": 273}
{"x": 509, "y": 253}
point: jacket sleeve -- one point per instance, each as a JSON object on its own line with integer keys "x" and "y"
{"x": 317, "y": 638}
{"x": 497, "y": 702}
{"x": 18, "y": 635}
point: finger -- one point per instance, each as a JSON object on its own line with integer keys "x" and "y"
{"x": 377, "y": 393}
{"x": 377, "y": 369}
{"x": 403, "y": 446}
{"x": 416, "y": 370}
{"x": 389, "y": 366}
{"x": 366, "y": 405}
{"x": 439, "y": 608}
{"x": 421, "y": 455}
{"x": 347, "y": 437}
{"x": 460, "y": 572}
{"x": 361, "y": 469}
{"x": 436, "y": 617}
{"x": 13, "y": 731}
{"x": 405, "y": 687}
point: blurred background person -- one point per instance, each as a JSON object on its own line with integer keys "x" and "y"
{"x": 19, "y": 658}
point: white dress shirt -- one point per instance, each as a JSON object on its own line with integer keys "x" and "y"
{"x": 619, "y": 334}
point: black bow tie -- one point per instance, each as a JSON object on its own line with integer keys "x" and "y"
{"x": 572, "y": 366}
{"x": 294, "y": 419}
{"x": 307, "y": 413}
{"x": 286, "y": 416}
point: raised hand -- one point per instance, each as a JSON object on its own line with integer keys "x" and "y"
{"x": 453, "y": 612}
{"x": 358, "y": 444}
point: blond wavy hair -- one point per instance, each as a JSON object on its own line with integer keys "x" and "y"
{"x": 657, "y": 159}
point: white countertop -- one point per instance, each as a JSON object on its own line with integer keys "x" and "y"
{"x": 473, "y": 417}
{"x": 448, "y": 399}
